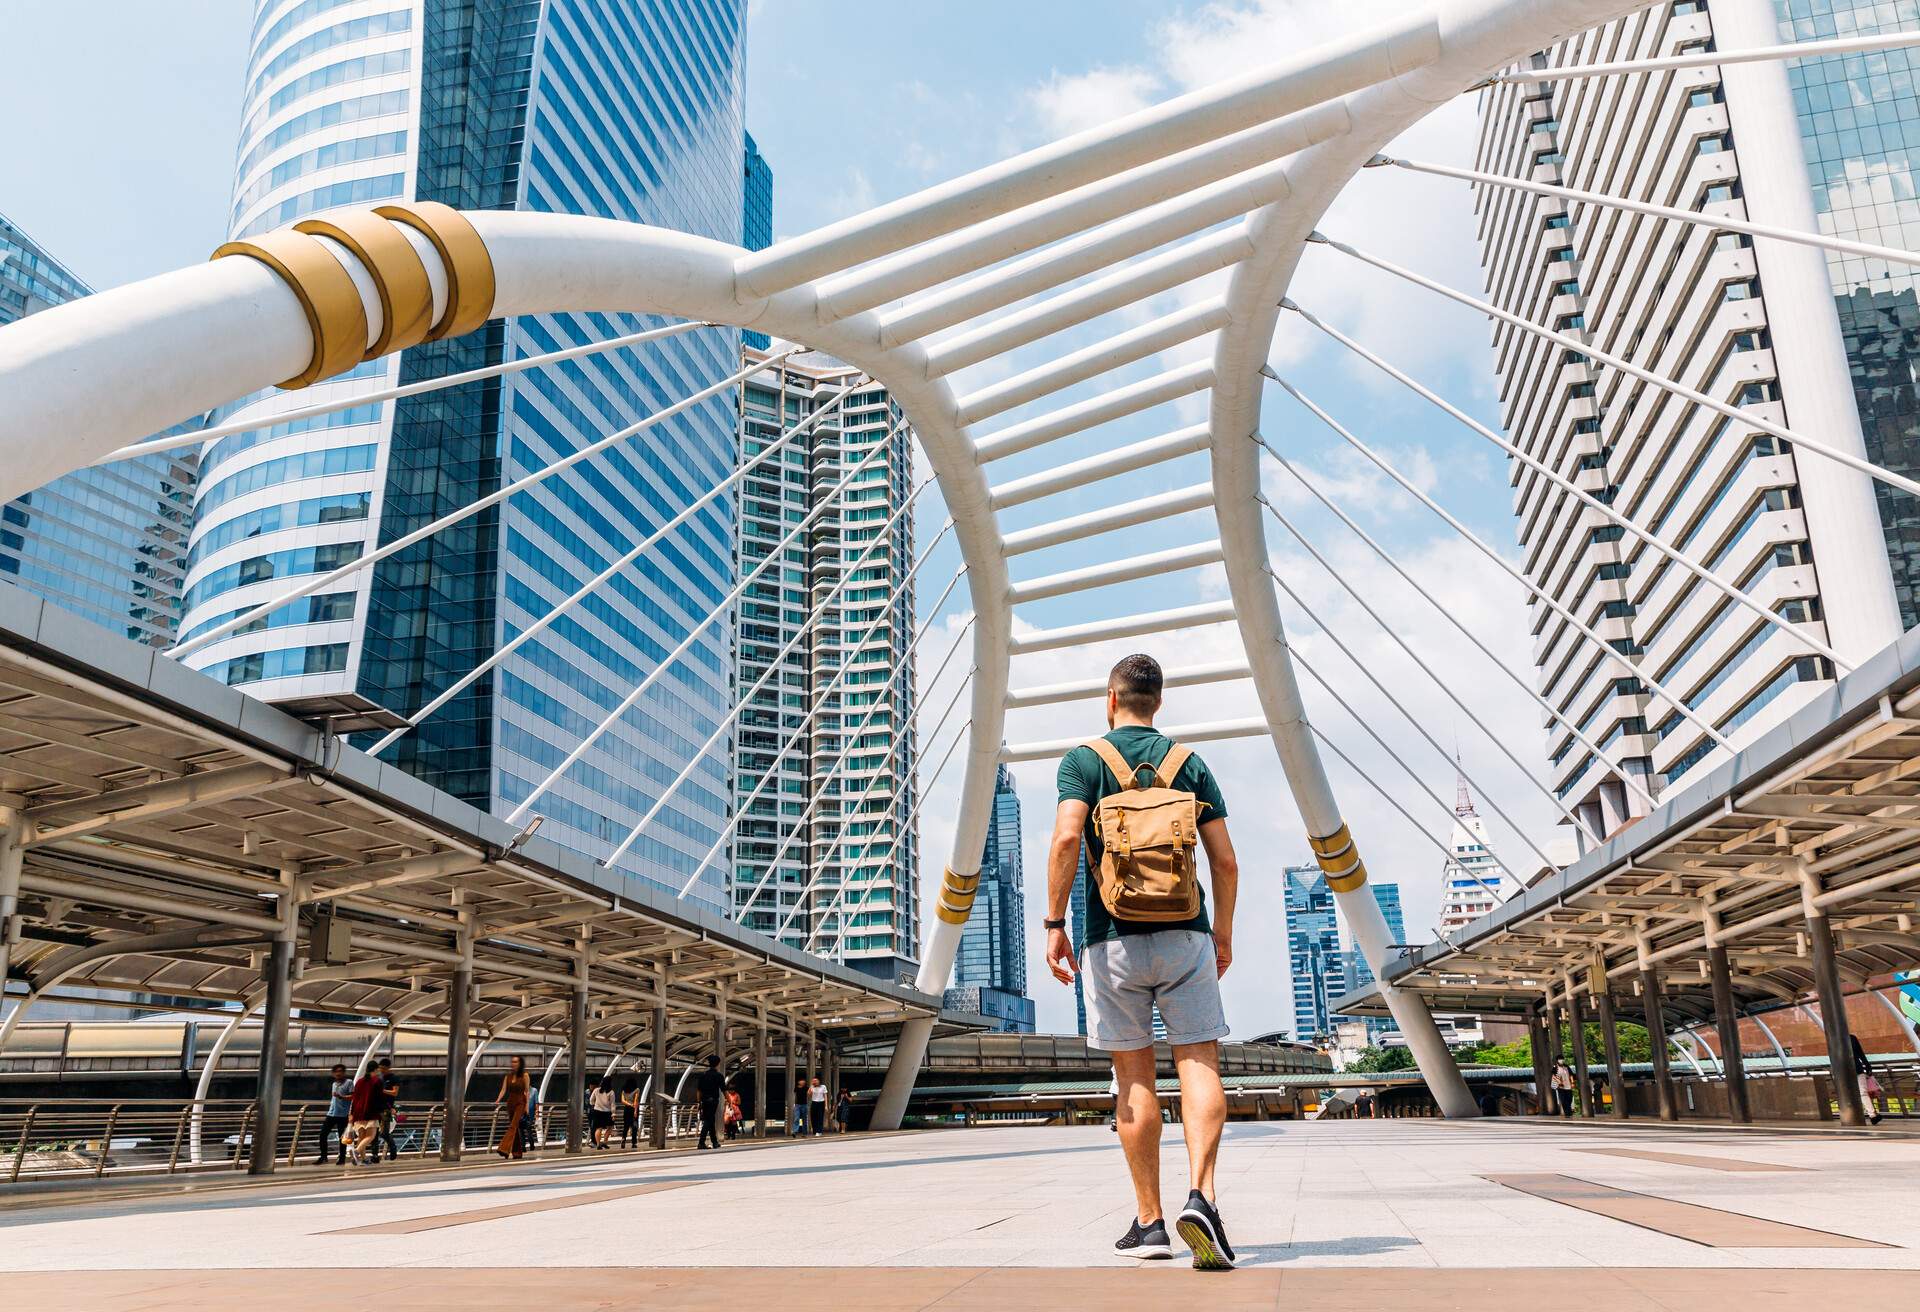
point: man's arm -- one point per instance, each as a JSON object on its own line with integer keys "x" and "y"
{"x": 1225, "y": 868}
{"x": 1063, "y": 867}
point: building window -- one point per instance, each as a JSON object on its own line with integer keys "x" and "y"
{"x": 1681, "y": 8}
{"x": 1544, "y": 125}
{"x": 1580, "y": 390}
{"x": 1731, "y": 241}
{"x": 1739, "y": 291}
{"x": 1700, "y": 96}
{"x": 1557, "y": 222}
{"x": 1568, "y": 287}
{"x": 1714, "y": 145}
{"x": 1759, "y": 393}
{"x": 1570, "y": 323}
{"x": 1719, "y": 193}
{"x": 1560, "y": 255}
{"x": 1548, "y": 157}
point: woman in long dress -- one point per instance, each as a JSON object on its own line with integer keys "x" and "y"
{"x": 513, "y": 1092}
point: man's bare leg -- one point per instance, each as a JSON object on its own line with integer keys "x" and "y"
{"x": 1138, "y": 1108}
{"x": 1203, "y": 1109}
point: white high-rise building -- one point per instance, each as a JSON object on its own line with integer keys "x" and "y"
{"x": 824, "y": 856}
{"x": 1472, "y": 881}
{"x": 1752, "y": 325}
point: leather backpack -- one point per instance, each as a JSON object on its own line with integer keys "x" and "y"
{"x": 1147, "y": 831}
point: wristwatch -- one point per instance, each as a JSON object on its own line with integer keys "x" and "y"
{"x": 1053, "y": 924}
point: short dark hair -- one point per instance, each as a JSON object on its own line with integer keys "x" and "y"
{"x": 1138, "y": 681}
{"x": 712, "y": 1060}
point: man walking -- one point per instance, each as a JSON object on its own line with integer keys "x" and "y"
{"x": 340, "y": 1102}
{"x": 713, "y": 1087}
{"x": 817, "y": 1105}
{"x": 1149, "y": 942}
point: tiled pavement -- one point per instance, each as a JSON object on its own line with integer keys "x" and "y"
{"x": 1412, "y": 1212}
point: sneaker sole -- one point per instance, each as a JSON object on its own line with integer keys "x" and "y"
{"x": 1147, "y": 1252}
{"x": 1207, "y": 1253}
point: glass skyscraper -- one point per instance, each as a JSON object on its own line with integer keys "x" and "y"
{"x": 629, "y": 109}
{"x": 1860, "y": 128}
{"x": 1358, "y": 973}
{"x": 1314, "y": 958}
{"x": 108, "y": 543}
{"x": 992, "y": 958}
{"x": 756, "y": 215}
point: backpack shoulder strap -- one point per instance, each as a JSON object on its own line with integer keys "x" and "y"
{"x": 1125, "y": 774}
{"x": 1170, "y": 765}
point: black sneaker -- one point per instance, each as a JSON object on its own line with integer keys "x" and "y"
{"x": 1200, "y": 1226}
{"x": 1144, "y": 1241}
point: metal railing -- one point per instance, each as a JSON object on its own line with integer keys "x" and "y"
{"x": 78, "y": 1138}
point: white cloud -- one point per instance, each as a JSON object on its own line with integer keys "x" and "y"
{"x": 1070, "y": 103}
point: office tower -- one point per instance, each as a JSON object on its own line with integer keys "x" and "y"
{"x": 1472, "y": 882}
{"x": 824, "y": 858}
{"x": 107, "y": 543}
{"x": 629, "y": 109}
{"x": 756, "y": 215}
{"x": 990, "y": 972}
{"x": 1358, "y": 973}
{"x": 1753, "y": 324}
{"x": 1314, "y": 957}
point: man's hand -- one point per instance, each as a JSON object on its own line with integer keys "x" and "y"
{"x": 1222, "y": 952}
{"x": 1060, "y": 956}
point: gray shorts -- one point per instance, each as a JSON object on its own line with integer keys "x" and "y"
{"x": 1125, "y": 978}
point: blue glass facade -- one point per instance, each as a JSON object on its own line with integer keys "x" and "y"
{"x": 628, "y": 109}
{"x": 993, "y": 945}
{"x": 1313, "y": 951}
{"x": 1860, "y": 126}
{"x": 1359, "y": 973}
{"x": 756, "y": 215}
{"x": 108, "y": 543}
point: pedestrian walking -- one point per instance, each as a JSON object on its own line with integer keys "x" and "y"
{"x": 389, "y": 1111}
{"x": 515, "y": 1094}
{"x": 363, "y": 1113}
{"x": 1140, "y": 802}
{"x": 602, "y": 1120}
{"x": 843, "y": 1110}
{"x": 732, "y": 1113}
{"x": 817, "y": 1105}
{"x": 1869, "y": 1084}
{"x": 1562, "y": 1083}
{"x": 797, "y": 1126}
{"x": 711, "y": 1088}
{"x": 339, "y": 1104}
{"x": 630, "y": 1113}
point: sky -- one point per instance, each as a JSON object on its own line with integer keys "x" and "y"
{"x": 121, "y": 163}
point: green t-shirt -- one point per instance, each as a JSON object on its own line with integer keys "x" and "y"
{"x": 1084, "y": 777}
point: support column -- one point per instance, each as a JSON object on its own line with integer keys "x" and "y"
{"x": 273, "y": 1057}
{"x": 577, "y": 1072}
{"x": 833, "y": 1085}
{"x": 1556, "y": 1042}
{"x": 1833, "y": 1016}
{"x": 459, "y": 1011}
{"x": 277, "y": 980}
{"x": 12, "y": 825}
{"x": 1726, "y": 1023}
{"x": 1577, "y": 1022}
{"x": 1657, "y": 1039}
{"x": 1542, "y": 1070}
{"x": 760, "y": 1099}
{"x": 793, "y": 1075}
{"x": 659, "y": 1100}
{"x": 1610, "y": 1040}
{"x": 813, "y": 1073}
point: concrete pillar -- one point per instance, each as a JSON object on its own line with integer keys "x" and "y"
{"x": 459, "y": 1005}
{"x": 1542, "y": 1068}
{"x": 12, "y": 822}
{"x": 273, "y": 1057}
{"x": 813, "y": 1073}
{"x": 1816, "y": 385}
{"x": 1657, "y": 1039}
{"x": 577, "y": 1073}
{"x": 1610, "y": 1044}
{"x": 1833, "y": 1017}
{"x": 833, "y": 1083}
{"x": 720, "y": 1036}
{"x": 1726, "y": 1023}
{"x": 659, "y": 1100}
{"x": 1577, "y": 1023}
{"x": 760, "y": 1099}
{"x": 794, "y": 1075}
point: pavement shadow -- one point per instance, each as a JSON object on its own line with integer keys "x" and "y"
{"x": 1351, "y": 1246}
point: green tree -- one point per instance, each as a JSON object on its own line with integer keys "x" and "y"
{"x": 1380, "y": 1061}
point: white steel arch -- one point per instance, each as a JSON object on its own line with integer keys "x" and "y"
{"x": 1264, "y": 154}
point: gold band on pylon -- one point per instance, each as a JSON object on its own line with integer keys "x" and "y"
{"x": 956, "y": 897}
{"x": 1339, "y": 860}
{"x": 470, "y": 282}
{"x": 399, "y": 276}
{"x": 335, "y": 315}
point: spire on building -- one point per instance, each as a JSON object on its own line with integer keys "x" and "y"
{"x": 1462, "y": 799}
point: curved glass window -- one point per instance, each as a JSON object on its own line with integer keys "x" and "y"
{"x": 228, "y": 447}
{"x": 347, "y": 70}
{"x": 351, "y": 110}
{"x": 316, "y": 510}
{"x": 334, "y": 153}
{"x": 354, "y": 29}
{"x": 279, "y": 664}
{"x": 306, "y": 610}
{"x": 359, "y": 191}
{"x": 287, "y": 469}
{"x": 275, "y": 565}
